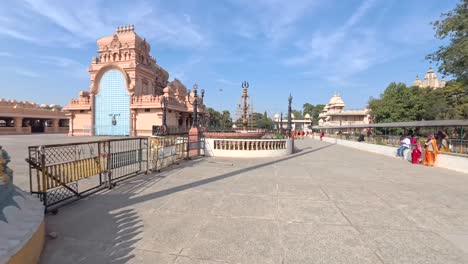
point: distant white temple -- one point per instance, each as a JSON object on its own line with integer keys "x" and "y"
{"x": 334, "y": 114}
{"x": 430, "y": 80}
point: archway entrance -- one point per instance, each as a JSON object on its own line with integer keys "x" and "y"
{"x": 112, "y": 106}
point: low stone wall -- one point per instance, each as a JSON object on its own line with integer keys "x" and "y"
{"x": 248, "y": 148}
{"x": 22, "y": 229}
{"x": 447, "y": 161}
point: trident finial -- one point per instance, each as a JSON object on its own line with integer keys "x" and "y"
{"x": 245, "y": 84}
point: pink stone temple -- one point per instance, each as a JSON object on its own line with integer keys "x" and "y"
{"x": 129, "y": 92}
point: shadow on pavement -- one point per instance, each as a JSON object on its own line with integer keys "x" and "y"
{"x": 99, "y": 229}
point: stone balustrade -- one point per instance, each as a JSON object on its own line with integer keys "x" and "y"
{"x": 80, "y": 101}
{"x": 249, "y": 144}
{"x": 248, "y": 148}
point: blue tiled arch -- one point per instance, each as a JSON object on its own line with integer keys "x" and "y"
{"x": 112, "y": 103}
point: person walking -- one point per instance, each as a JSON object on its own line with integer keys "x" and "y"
{"x": 430, "y": 151}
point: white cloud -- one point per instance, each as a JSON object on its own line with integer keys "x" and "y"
{"x": 344, "y": 52}
{"x": 73, "y": 24}
{"x": 26, "y": 73}
{"x": 5, "y": 54}
{"x": 65, "y": 66}
{"x": 273, "y": 19}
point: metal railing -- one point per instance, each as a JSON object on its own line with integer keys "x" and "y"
{"x": 455, "y": 146}
{"x": 62, "y": 173}
{"x": 168, "y": 150}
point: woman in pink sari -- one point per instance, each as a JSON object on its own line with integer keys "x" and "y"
{"x": 416, "y": 154}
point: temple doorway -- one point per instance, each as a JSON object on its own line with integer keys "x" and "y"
{"x": 112, "y": 106}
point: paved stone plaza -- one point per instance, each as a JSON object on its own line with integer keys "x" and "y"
{"x": 324, "y": 204}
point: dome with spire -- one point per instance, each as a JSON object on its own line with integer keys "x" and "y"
{"x": 430, "y": 80}
{"x": 336, "y": 101}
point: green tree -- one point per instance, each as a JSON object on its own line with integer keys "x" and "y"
{"x": 297, "y": 114}
{"x": 453, "y": 58}
{"x": 313, "y": 111}
{"x": 226, "y": 120}
{"x": 399, "y": 103}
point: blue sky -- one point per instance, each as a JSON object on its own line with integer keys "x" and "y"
{"x": 311, "y": 48}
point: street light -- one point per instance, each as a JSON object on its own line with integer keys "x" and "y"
{"x": 289, "y": 115}
{"x": 164, "y": 103}
{"x": 195, "y": 103}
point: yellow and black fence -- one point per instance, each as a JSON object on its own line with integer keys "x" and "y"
{"x": 65, "y": 172}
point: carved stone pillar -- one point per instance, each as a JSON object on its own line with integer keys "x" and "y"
{"x": 93, "y": 122}
{"x": 19, "y": 125}
{"x": 55, "y": 125}
{"x": 133, "y": 120}
{"x": 71, "y": 117}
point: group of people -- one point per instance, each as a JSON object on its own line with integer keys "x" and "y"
{"x": 431, "y": 149}
{"x": 300, "y": 134}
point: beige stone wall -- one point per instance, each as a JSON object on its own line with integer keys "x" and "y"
{"x": 81, "y": 124}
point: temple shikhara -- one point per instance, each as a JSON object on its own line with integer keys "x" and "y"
{"x": 334, "y": 114}
{"x": 430, "y": 80}
{"x": 129, "y": 92}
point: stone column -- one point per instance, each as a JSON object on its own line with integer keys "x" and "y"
{"x": 93, "y": 130}
{"x": 19, "y": 125}
{"x": 55, "y": 125}
{"x": 194, "y": 138}
{"x": 133, "y": 127}
{"x": 71, "y": 117}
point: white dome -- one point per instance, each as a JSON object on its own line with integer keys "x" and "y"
{"x": 336, "y": 101}
{"x": 43, "y": 106}
{"x": 276, "y": 116}
{"x": 307, "y": 116}
{"x": 292, "y": 116}
{"x": 52, "y": 106}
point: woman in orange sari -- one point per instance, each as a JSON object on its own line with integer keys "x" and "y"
{"x": 431, "y": 151}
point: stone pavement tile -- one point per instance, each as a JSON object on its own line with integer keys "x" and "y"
{"x": 400, "y": 198}
{"x": 355, "y": 195}
{"x": 412, "y": 247}
{"x": 191, "y": 201}
{"x": 69, "y": 250}
{"x": 247, "y": 206}
{"x": 94, "y": 223}
{"x": 440, "y": 219}
{"x": 375, "y": 215}
{"x": 168, "y": 232}
{"x": 213, "y": 184}
{"x": 319, "y": 212}
{"x": 146, "y": 257}
{"x": 310, "y": 243}
{"x": 254, "y": 186}
{"x": 187, "y": 260}
{"x": 237, "y": 241}
{"x": 459, "y": 240}
{"x": 309, "y": 191}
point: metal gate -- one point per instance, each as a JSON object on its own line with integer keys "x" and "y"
{"x": 63, "y": 173}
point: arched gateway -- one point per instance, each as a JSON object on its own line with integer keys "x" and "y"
{"x": 112, "y": 104}
{"x": 127, "y": 92}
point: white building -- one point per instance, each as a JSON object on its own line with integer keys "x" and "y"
{"x": 430, "y": 80}
{"x": 334, "y": 114}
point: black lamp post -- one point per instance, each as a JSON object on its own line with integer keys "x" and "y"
{"x": 195, "y": 103}
{"x": 281, "y": 123}
{"x": 289, "y": 115}
{"x": 164, "y": 103}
